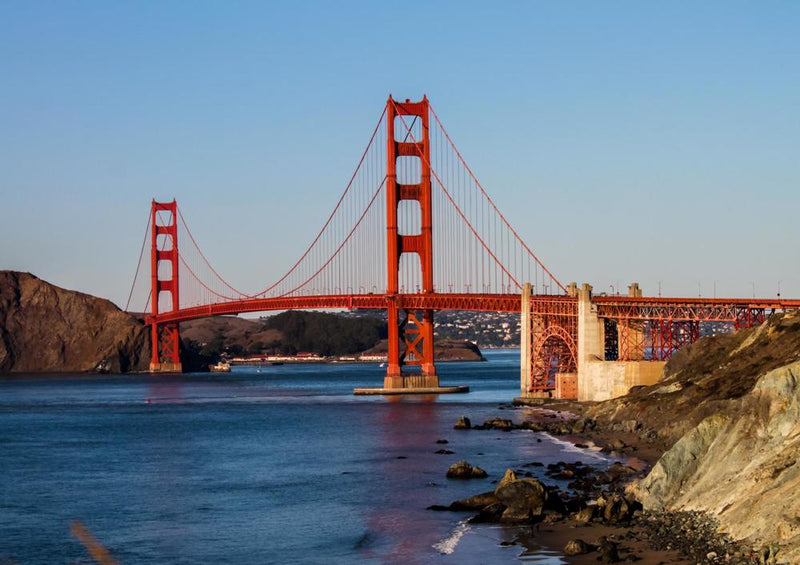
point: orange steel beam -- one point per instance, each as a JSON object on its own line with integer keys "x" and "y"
{"x": 433, "y": 301}
{"x": 687, "y": 309}
{"x": 542, "y": 304}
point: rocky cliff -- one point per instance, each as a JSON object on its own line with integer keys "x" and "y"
{"x": 44, "y": 328}
{"x": 741, "y": 465}
{"x": 727, "y": 416}
{"x": 700, "y": 380}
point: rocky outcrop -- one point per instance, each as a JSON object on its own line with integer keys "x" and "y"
{"x": 462, "y": 423}
{"x": 44, "y": 328}
{"x": 524, "y": 499}
{"x": 463, "y": 470}
{"x": 698, "y": 382}
{"x": 741, "y": 465}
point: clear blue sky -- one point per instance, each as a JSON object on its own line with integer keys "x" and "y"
{"x": 648, "y": 141}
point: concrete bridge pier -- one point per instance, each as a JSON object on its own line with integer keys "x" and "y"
{"x": 597, "y": 378}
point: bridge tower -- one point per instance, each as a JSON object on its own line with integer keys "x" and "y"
{"x": 165, "y": 346}
{"x": 416, "y": 328}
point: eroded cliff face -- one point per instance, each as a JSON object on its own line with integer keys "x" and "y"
{"x": 742, "y": 465}
{"x": 701, "y": 379}
{"x": 44, "y": 328}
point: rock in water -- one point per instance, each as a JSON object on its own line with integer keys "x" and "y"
{"x": 463, "y": 470}
{"x": 45, "y": 329}
{"x": 476, "y": 502}
{"x": 576, "y": 547}
{"x": 462, "y": 423}
{"x": 499, "y": 424}
{"x": 510, "y": 476}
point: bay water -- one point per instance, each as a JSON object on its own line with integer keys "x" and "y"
{"x": 274, "y": 464}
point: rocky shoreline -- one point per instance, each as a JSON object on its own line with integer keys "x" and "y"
{"x": 596, "y": 517}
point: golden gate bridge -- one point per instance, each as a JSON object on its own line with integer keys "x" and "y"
{"x": 413, "y": 232}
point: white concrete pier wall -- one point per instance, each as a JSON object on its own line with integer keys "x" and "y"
{"x": 597, "y": 378}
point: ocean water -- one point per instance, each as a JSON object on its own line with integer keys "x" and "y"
{"x": 262, "y": 465}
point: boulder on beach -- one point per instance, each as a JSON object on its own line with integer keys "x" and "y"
{"x": 577, "y": 547}
{"x": 524, "y": 499}
{"x": 585, "y": 515}
{"x": 608, "y": 551}
{"x": 617, "y": 509}
{"x": 475, "y": 502}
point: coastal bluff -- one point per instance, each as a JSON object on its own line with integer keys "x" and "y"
{"x": 48, "y": 329}
{"x": 726, "y": 416}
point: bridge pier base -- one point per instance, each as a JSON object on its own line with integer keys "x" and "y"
{"x": 411, "y": 381}
{"x": 166, "y": 367}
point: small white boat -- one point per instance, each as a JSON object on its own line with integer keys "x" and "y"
{"x": 382, "y": 365}
{"x": 221, "y": 367}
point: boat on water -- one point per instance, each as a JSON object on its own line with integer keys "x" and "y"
{"x": 221, "y": 367}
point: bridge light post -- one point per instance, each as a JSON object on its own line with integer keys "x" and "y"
{"x": 779, "y": 290}
{"x": 659, "y": 289}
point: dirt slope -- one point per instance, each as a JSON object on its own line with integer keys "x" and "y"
{"x": 700, "y": 380}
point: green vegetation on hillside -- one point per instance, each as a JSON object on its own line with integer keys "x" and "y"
{"x": 326, "y": 334}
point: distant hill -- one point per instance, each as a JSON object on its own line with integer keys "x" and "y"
{"x": 286, "y": 333}
{"x": 298, "y": 331}
{"x": 237, "y": 336}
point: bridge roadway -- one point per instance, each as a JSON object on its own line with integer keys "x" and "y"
{"x": 676, "y": 309}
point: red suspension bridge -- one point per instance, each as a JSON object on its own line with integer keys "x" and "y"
{"x": 415, "y": 232}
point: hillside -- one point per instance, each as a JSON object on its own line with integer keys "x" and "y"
{"x": 44, "y": 328}
{"x": 300, "y": 331}
{"x": 285, "y": 333}
{"x": 727, "y": 414}
{"x": 701, "y": 378}
{"x": 229, "y": 333}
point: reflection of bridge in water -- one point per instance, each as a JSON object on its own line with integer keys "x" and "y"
{"x": 415, "y": 232}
